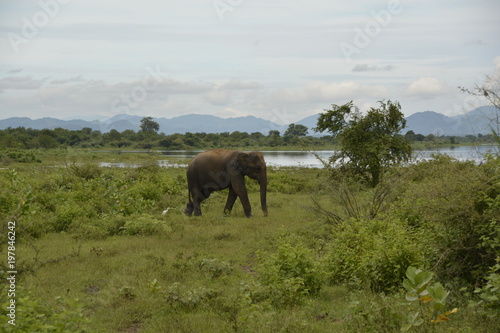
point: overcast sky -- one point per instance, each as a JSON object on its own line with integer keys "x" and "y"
{"x": 278, "y": 60}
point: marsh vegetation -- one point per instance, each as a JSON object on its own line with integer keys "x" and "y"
{"x": 109, "y": 249}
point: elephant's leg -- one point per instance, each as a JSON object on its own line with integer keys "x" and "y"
{"x": 197, "y": 206}
{"x": 189, "y": 208}
{"x": 198, "y": 197}
{"x": 231, "y": 198}
{"x": 241, "y": 191}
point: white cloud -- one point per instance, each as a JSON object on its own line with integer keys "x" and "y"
{"x": 19, "y": 83}
{"x": 427, "y": 88}
{"x": 373, "y": 68}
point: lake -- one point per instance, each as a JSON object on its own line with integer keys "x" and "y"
{"x": 307, "y": 159}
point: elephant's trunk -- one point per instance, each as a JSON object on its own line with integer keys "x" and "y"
{"x": 263, "y": 192}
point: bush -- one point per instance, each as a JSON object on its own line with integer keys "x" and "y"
{"x": 145, "y": 225}
{"x": 454, "y": 206}
{"x": 290, "y": 273}
{"x": 8, "y": 157}
{"x": 86, "y": 171}
{"x": 489, "y": 294}
{"x": 66, "y": 214}
{"x": 33, "y": 315}
{"x": 371, "y": 254}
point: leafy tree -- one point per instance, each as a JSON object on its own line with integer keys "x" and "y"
{"x": 149, "y": 125}
{"x": 274, "y": 133}
{"x": 296, "y": 130}
{"x": 370, "y": 143}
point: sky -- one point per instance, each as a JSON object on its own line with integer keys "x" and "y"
{"x": 278, "y": 60}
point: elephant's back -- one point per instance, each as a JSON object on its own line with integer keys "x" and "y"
{"x": 214, "y": 159}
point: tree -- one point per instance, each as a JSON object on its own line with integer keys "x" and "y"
{"x": 149, "y": 125}
{"x": 490, "y": 89}
{"x": 274, "y": 133}
{"x": 296, "y": 130}
{"x": 368, "y": 144}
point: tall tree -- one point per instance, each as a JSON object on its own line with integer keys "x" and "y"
{"x": 370, "y": 143}
{"x": 296, "y": 130}
{"x": 149, "y": 125}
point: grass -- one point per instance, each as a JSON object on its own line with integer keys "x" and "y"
{"x": 195, "y": 274}
{"x": 104, "y": 270}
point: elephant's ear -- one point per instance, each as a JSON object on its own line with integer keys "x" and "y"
{"x": 241, "y": 161}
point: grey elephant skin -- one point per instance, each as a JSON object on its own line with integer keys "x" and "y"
{"x": 218, "y": 169}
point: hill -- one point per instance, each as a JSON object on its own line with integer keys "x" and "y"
{"x": 429, "y": 122}
{"x": 474, "y": 122}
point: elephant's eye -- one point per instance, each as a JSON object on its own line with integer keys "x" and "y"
{"x": 257, "y": 169}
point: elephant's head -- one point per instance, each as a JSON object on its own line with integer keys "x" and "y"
{"x": 253, "y": 165}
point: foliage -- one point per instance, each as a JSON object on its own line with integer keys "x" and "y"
{"x": 16, "y": 139}
{"x": 210, "y": 267}
{"x": 454, "y": 206}
{"x": 371, "y": 254}
{"x": 139, "y": 270}
{"x": 145, "y": 225}
{"x": 489, "y": 294}
{"x": 296, "y": 130}
{"x": 368, "y": 144}
{"x": 33, "y": 315}
{"x": 290, "y": 273}
{"x": 10, "y": 156}
{"x": 149, "y": 125}
{"x": 430, "y": 300}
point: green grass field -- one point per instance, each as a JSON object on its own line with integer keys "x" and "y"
{"x": 94, "y": 253}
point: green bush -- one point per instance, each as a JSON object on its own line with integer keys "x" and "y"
{"x": 290, "y": 273}
{"x": 32, "y": 315}
{"x": 371, "y": 254}
{"x": 145, "y": 225}
{"x": 10, "y": 156}
{"x": 454, "y": 206}
{"x": 86, "y": 171}
{"x": 489, "y": 294}
{"x": 65, "y": 215}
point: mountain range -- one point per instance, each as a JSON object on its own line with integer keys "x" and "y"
{"x": 475, "y": 122}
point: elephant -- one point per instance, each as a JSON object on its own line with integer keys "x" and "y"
{"x": 218, "y": 169}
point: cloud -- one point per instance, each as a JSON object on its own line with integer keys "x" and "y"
{"x": 19, "y": 83}
{"x": 427, "y": 88}
{"x": 69, "y": 80}
{"x": 16, "y": 70}
{"x": 217, "y": 97}
{"x": 235, "y": 84}
{"x": 496, "y": 61}
{"x": 475, "y": 42}
{"x": 372, "y": 68}
{"x": 320, "y": 91}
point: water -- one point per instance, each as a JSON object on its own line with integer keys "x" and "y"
{"x": 307, "y": 159}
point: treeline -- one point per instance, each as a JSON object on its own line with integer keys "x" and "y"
{"x": 28, "y": 138}
{"x": 450, "y": 139}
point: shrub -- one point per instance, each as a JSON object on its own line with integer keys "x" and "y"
{"x": 86, "y": 171}
{"x": 145, "y": 225}
{"x": 189, "y": 300}
{"x": 429, "y": 301}
{"x": 66, "y": 214}
{"x": 32, "y": 315}
{"x": 371, "y": 254}
{"x": 18, "y": 156}
{"x": 454, "y": 206}
{"x": 489, "y": 294}
{"x": 290, "y": 273}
